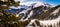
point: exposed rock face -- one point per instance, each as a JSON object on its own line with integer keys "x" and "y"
{"x": 44, "y": 15}
{"x": 50, "y": 18}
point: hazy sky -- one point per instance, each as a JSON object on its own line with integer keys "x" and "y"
{"x": 53, "y": 2}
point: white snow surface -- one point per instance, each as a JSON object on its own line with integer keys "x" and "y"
{"x": 49, "y": 22}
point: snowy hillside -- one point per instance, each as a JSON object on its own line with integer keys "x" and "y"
{"x": 40, "y": 7}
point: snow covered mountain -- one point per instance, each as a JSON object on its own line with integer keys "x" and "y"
{"x": 35, "y": 8}
{"x": 37, "y": 4}
{"x": 50, "y": 18}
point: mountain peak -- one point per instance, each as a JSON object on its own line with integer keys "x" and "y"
{"x": 37, "y": 4}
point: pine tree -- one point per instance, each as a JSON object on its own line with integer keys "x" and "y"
{"x": 8, "y": 20}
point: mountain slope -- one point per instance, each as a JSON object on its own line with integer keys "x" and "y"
{"x": 34, "y": 10}
{"x": 50, "y": 18}
{"x": 46, "y": 14}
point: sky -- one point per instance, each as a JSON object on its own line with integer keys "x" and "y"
{"x": 52, "y": 2}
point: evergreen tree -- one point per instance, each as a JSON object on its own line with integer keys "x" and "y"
{"x": 8, "y": 20}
